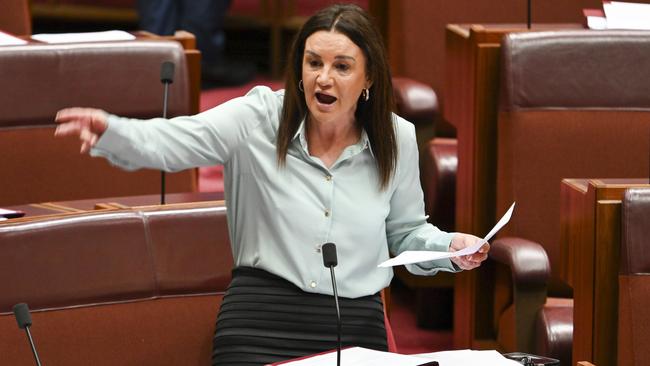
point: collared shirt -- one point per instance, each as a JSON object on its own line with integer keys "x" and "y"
{"x": 278, "y": 217}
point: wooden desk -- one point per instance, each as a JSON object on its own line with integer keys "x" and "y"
{"x": 470, "y": 104}
{"x": 590, "y": 221}
{"x": 53, "y": 208}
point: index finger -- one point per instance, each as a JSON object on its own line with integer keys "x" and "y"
{"x": 72, "y": 114}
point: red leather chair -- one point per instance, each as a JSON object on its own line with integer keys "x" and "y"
{"x": 568, "y": 109}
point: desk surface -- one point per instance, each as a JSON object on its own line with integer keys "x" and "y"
{"x": 51, "y": 208}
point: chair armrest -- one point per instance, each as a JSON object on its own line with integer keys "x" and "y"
{"x": 438, "y": 166}
{"x": 522, "y": 271}
{"x": 415, "y": 101}
{"x": 526, "y": 259}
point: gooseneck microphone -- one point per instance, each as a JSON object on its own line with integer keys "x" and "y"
{"x": 24, "y": 320}
{"x": 166, "y": 77}
{"x": 330, "y": 261}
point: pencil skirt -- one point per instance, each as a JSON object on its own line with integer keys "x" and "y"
{"x": 264, "y": 319}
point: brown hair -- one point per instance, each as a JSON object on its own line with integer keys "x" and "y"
{"x": 373, "y": 115}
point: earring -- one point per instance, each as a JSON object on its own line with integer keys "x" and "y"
{"x": 300, "y": 86}
{"x": 365, "y": 94}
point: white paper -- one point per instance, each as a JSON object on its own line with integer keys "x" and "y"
{"x": 358, "y": 356}
{"x": 417, "y": 256}
{"x": 623, "y": 15}
{"x": 113, "y": 35}
{"x": 597, "y": 23}
{"x": 469, "y": 357}
{"x": 9, "y": 40}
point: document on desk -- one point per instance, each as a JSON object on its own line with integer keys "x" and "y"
{"x": 113, "y": 35}
{"x": 469, "y": 357}
{"x": 358, "y": 356}
{"x": 417, "y": 256}
{"x": 9, "y": 40}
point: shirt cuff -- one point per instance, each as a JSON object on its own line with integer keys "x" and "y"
{"x": 430, "y": 268}
{"x": 112, "y": 142}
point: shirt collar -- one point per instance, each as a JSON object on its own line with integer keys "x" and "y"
{"x": 364, "y": 141}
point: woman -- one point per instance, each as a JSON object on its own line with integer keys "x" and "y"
{"x": 324, "y": 160}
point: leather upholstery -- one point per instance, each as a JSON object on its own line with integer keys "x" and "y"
{"x": 554, "y": 329}
{"x": 634, "y": 281}
{"x": 415, "y": 101}
{"x": 438, "y": 166}
{"x": 129, "y": 287}
{"x": 566, "y": 69}
{"x": 120, "y": 77}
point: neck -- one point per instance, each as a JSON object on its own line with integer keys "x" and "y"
{"x": 327, "y": 141}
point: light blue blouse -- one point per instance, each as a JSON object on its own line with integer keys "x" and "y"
{"x": 279, "y": 217}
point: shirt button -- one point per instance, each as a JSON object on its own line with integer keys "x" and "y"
{"x": 328, "y": 178}
{"x": 327, "y": 213}
{"x": 312, "y": 284}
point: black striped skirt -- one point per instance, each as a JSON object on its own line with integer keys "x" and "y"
{"x": 264, "y": 319}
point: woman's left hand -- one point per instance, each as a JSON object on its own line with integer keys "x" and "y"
{"x": 467, "y": 262}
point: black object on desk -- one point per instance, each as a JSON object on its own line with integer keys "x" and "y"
{"x": 527, "y": 359}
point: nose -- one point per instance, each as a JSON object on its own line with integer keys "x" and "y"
{"x": 324, "y": 78}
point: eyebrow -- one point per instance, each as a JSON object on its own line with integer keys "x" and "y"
{"x": 314, "y": 54}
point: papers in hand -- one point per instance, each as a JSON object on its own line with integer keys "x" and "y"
{"x": 113, "y": 35}
{"x": 417, "y": 256}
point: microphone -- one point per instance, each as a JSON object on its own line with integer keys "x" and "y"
{"x": 24, "y": 320}
{"x": 166, "y": 77}
{"x": 330, "y": 261}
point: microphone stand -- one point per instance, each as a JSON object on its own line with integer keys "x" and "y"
{"x": 338, "y": 320}
{"x": 166, "y": 77}
{"x": 24, "y": 320}
{"x": 31, "y": 344}
{"x": 330, "y": 261}
{"x": 164, "y": 115}
{"x": 529, "y": 14}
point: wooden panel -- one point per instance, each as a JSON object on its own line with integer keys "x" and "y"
{"x": 472, "y": 87}
{"x": 607, "y": 247}
{"x": 591, "y": 235}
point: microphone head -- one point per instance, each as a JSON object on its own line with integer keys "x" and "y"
{"x": 23, "y": 317}
{"x": 167, "y": 72}
{"x": 329, "y": 255}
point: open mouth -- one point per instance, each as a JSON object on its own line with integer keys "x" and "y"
{"x": 325, "y": 99}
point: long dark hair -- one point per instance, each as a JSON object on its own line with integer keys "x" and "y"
{"x": 373, "y": 115}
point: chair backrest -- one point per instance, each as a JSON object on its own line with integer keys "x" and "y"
{"x": 120, "y": 77}
{"x": 574, "y": 104}
{"x": 634, "y": 279}
{"x": 138, "y": 286}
